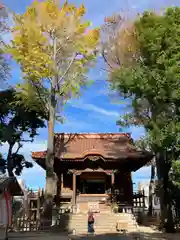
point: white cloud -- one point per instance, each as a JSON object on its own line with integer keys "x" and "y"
{"x": 73, "y": 125}
{"x": 94, "y": 108}
{"x": 27, "y": 148}
{"x": 33, "y": 177}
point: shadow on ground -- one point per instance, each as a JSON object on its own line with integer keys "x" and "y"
{"x": 64, "y": 236}
{"x": 130, "y": 236}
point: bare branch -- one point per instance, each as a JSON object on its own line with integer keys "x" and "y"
{"x": 106, "y": 60}
{"x": 19, "y": 146}
{"x": 44, "y": 102}
{"x": 26, "y": 140}
{"x": 64, "y": 44}
{"x": 68, "y": 68}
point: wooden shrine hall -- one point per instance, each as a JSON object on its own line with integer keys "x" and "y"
{"x": 95, "y": 164}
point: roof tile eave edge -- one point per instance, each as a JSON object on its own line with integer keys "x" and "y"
{"x": 78, "y": 158}
{"x": 95, "y": 135}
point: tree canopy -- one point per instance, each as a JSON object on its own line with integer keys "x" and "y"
{"x": 4, "y": 66}
{"x": 152, "y": 83}
{"x": 18, "y": 124}
{"x": 55, "y": 47}
{"x": 53, "y": 41}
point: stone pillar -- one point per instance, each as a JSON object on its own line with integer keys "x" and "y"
{"x": 74, "y": 189}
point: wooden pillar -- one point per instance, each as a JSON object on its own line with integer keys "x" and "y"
{"x": 39, "y": 204}
{"x": 58, "y": 191}
{"x": 74, "y": 189}
{"x": 62, "y": 182}
{"x": 112, "y": 186}
{"x": 112, "y": 179}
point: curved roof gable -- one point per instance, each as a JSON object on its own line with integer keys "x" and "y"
{"x": 78, "y": 146}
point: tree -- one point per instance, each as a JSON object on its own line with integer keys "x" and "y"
{"x": 4, "y": 67}
{"x": 119, "y": 46}
{"x": 175, "y": 186}
{"x": 2, "y": 165}
{"x": 18, "y": 124}
{"x": 145, "y": 144}
{"x": 55, "y": 49}
{"x": 152, "y": 84}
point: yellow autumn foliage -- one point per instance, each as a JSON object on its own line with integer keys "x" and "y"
{"x": 46, "y": 26}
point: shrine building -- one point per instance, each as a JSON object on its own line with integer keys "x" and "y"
{"x": 95, "y": 165}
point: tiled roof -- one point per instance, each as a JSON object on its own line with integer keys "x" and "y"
{"x": 4, "y": 182}
{"x": 78, "y": 146}
{"x": 11, "y": 184}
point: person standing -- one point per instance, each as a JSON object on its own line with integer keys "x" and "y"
{"x": 90, "y": 223}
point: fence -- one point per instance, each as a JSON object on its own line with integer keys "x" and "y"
{"x": 139, "y": 199}
{"x": 24, "y": 225}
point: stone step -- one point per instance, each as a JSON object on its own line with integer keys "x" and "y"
{"x": 103, "y": 230}
{"x": 103, "y": 222}
{"x": 73, "y": 225}
{"x": 106, "y": 215}
{"x": 90, "y": 198}
{"x": 79, "y": 233}
{"x": 113, "y": 226}
{"x": 98, "y": 225}
{"x": 103, "y": 219}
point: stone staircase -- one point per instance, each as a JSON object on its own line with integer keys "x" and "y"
{"x": 90, "y": 198}
{"x": 95, "y": 206}
{"x": 104, "y": 223}
{"x": 95, "y": 203}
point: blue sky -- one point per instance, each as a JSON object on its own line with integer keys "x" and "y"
{"x": 98, "y": 108}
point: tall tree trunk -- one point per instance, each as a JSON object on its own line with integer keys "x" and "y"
{"x": 163, "y": 168}
{"x": 50, "y": 175}
{"x": 160, "y": 175}
{"x": 10, "y": 161}
{"x": 151, "y": 185}
{"x": 169, "y": 224}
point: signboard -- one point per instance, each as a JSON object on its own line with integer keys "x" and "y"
{"x": 93, "y": 206}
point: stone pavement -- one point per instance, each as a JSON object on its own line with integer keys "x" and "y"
{"x": 144, "y": 233}
{"x": 147, "y": 233}
{"x": 44, "y": 236}
{"x": 35, "y": 236}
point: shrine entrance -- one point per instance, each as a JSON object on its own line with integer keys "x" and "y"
{"x": 93, "y": 186}
{"x": 93, "y": 183}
